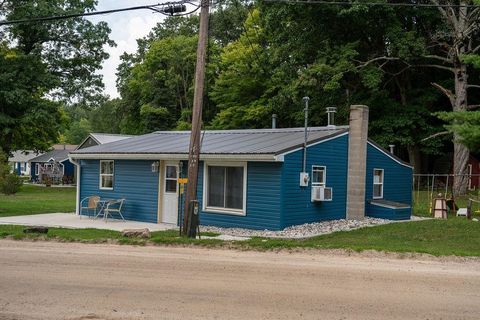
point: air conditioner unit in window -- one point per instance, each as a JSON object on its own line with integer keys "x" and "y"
{"x": 320, "y": 193}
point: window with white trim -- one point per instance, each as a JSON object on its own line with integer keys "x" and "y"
{"x": 225, "y": 188}
{"x": 319, "y": 176}
{"x": 106, "y": 174}
{"x": 377, "y": 183}
{"x": 37, "y": 169}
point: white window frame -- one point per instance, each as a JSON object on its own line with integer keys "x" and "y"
{"x": 37, "y": 169}
{"x": 100, "y": 174}
{"x": 320, "y": 184}
{"x": 381, "y": 184}
{"x": 211, "y": 209}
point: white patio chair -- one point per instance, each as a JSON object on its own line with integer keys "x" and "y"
{"x": 114, "y": 207}
{"x": 91, "y": 205}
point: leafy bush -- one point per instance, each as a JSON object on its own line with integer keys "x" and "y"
{"x": 10, "y": 183}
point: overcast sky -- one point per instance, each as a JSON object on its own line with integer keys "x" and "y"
{"x": 126, "y": 28}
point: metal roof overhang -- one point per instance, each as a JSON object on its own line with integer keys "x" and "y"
{"x": 175, "y": 156}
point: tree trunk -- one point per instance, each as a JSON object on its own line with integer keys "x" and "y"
{"x": 460, "y": 160}
{"x": 460, "y": 152}
{"x": 415, "y": 158}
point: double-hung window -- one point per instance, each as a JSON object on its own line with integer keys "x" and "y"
{"x": 106, "y": 174}
{"x": 319, "y": 175}
{"x": 377, "y": 183}
{"x": 225, "y": 188}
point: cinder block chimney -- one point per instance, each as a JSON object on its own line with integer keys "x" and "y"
{"x": 357, "y": 162}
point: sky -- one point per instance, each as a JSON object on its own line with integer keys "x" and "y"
{"x": 126, "y": 28}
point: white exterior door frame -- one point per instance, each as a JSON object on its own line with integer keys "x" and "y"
{"x": 168, "y": 192}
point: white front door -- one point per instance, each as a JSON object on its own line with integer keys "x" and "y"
{"x": 170, "y": 193}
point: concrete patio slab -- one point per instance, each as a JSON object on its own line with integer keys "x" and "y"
{"x": 70, "y": 220}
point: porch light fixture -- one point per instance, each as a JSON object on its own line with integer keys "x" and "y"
{"x": 155, "y": 165}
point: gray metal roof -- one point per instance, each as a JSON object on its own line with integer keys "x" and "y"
{"x": 103, "y": 138}
{"x": 56, "y": 155}
{"x": 94, "y": 139}
{"x": 230, "y": 142}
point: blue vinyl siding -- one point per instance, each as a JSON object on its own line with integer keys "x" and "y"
{"x": 296, "y": 201}
{"x": 33, "y": 176}
{"x": 387, "y": 213}
{"x": 133, "y": 181}
{"x": 397, "y": 185}
{"x": 18, "y": 168}
{"x": 263, "y": 199}
{"x": 69, "y": 168}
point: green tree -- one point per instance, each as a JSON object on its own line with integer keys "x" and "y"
{"x": 44, "y": 65}
{"x": 243, "y": 80}
{"x": 159, "y": 91}
{"x": 106, "y": 117}
{"x": 78, "y": 131}
{"x": 27, "y": 120}
{"x": 455, "y": 48}
{"x": 466, "y": 125}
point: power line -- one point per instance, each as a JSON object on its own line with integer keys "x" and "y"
{"x": 377, "y": 4}
{"x": 159, "y": 7}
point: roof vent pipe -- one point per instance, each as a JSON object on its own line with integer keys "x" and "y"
{"x": 331, "y": 116}
{"x": 274, "y": 121}
{"x": 392, "y": 148}
{"x": 304, "y": 178}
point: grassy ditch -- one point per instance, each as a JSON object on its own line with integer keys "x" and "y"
{"x": 455, "y": 236}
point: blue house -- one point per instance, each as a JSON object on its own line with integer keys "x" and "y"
{"x": 252, "y": 178}
{"x": 53, "y": 165}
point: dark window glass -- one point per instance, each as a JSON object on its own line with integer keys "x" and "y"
{"x": 216, "y": 186}
{"x": 234, "y": 188}
{"x": 171, "y": 172}
{"x": 377, "y": 190}
{"x": 225, "y": 187}
{"x": 170, "y": 185}
{"x": 107, "y": 182}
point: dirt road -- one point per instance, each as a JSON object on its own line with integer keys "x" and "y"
{"x": 47, "y": 280}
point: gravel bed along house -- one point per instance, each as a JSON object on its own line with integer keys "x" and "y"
{"x": 302, "y": 231}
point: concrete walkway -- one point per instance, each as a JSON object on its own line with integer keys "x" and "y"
{"x": 70, "y": 220}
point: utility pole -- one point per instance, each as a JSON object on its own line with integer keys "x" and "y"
{"x": 190, "y": 221}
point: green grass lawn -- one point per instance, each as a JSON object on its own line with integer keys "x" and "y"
{"x": 455, "y": 236}
{"x": 38, "y": 199}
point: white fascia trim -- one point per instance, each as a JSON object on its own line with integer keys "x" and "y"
{"x": 373, "y": 203}
{"x": 161, "y": 156}
{"x": 78, "y": 168}
{"x": 390, "y": 156}
{"x": 282, "y": 155}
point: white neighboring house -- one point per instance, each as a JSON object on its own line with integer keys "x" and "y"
{"x": 19, "y": 161}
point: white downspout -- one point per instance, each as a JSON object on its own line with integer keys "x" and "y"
{"x": 77, "y": 165}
